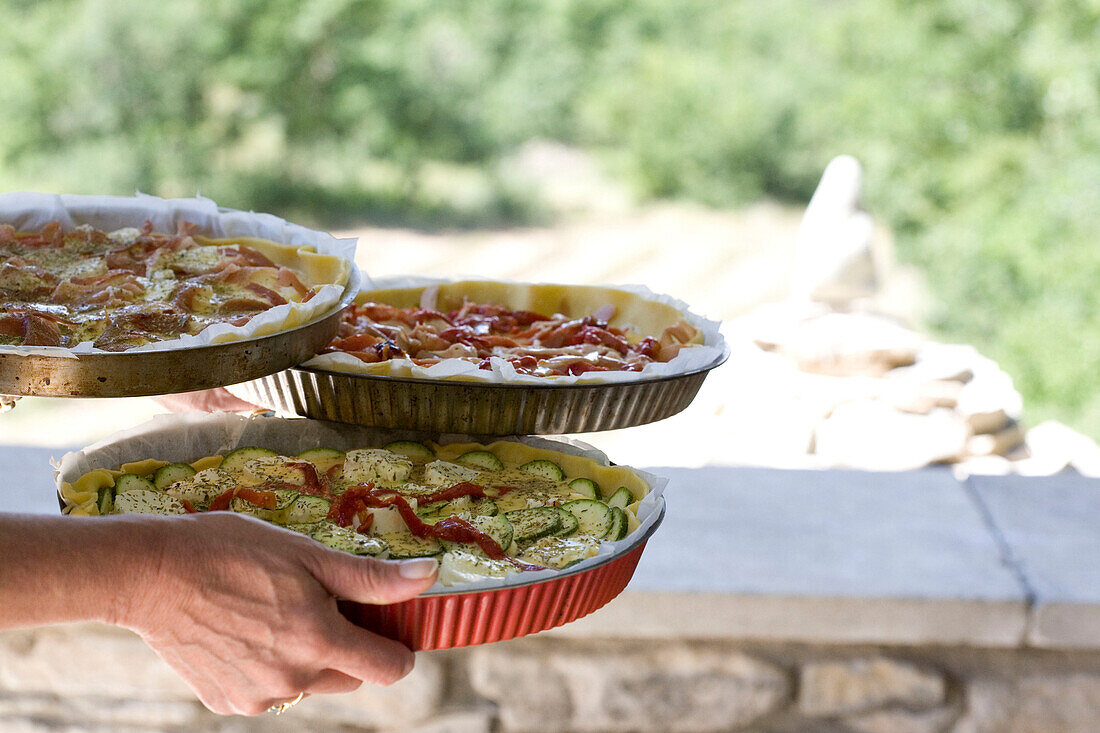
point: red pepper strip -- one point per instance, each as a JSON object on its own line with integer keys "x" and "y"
{"x": 461, "y": 489}
{"x": 366, "y": 521}
{"x": 457, "y": 529}
{"x": 454, "y": 529}
{"x": 262, "y": 499}
{"x": 313, "y": 486}
{"x": 345, "y": 506}
{"x": 221, "y": 501}
{"x": 189, "y": 506}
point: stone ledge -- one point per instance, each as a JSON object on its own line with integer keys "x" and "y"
{"x": 1050, "y": 526}
{"x": 1065, "y": 626}
{"x": 840, "y": 556}
{"x": 804, "y": 619}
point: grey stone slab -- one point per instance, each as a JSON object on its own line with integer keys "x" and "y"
{"x": 819, "y": 557}
{"x": 828, "y": 533}
{"x": 1051, "y": 525}
{"x": 28, "y": 479}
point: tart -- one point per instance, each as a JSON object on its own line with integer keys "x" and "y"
{"x": 131, "y": 287}
{"x": 502, "y": 331}
{"x": 487, "y": 511}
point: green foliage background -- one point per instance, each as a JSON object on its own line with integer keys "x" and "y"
{"x": 978, "y": 122}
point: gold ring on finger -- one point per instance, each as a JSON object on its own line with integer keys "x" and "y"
{"x": 283, "y": 707}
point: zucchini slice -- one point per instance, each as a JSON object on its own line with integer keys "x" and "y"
{"x": 240, "y": 506}
{"x": 482, "y": 459}
{"x": 498, "y": 527}
{"x": 466, "y": 506}
{"x": 305, "y": 509}
{"x": 143, "y": 501}
{"x": 585, "y": 487}
{"x": 345, "y": 540}
{"x": 165, "y": 476}
{"x": 622, "y": 498}
{"x": 307, "y": 528}
{"x": 594, "y": 517}
{"x": 560, "y": 552}
{"x": 569, "y": 523}
{"x": 235, "y": 461}
{"x": 284, "y": 498}
{"x": 531, "y": 524}
{"x": 105, "y": 500}
{"x": 411, "y": 449}
{"x": 435, "y": 507}
{"x": 405, "y": 545}
{"x": 323, "y": 458}
{"x": 132, "y": 482}
{"x": 544, "y": 468}
{"x": 618, "y": 525}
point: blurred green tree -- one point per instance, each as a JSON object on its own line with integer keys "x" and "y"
{"x": 978, "y": 122}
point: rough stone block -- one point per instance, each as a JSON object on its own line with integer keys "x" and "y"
{"x": 1036, "y": 704}
{"x": 408, "y": 702}
{"x": 530, "y": 693}
{"x": 903, "y": 721}
{"x": 667, "y": 688}
{"x": 83, "y": 712}
{"x": 89, "y": 660}
{"x": 941, "y": 362}
{"x": 458, "y": 721}
{"x": 859, "y": 685}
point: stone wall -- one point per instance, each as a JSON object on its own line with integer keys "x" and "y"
{"x": 91, "y": 678}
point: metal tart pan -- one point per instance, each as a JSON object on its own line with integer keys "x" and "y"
{"x": 445, "y": 620}
{"x": 139, "y": 374}
{"x": 475, "y": 408}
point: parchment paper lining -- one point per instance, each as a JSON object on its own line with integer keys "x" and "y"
{"x": 688, "y": 360}
{"x": 188, "y": 436}
{"x": 31, "y": 211}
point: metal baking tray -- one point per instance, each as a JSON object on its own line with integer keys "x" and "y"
{"x": 475, "y": 408}
{"x": 139, "y": 374}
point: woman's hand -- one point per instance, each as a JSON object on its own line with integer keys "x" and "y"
{"x": 208, "y": 400}
{"x": 246, "y": 612}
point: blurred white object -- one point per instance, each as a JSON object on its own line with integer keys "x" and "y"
{"x": 1055, "y": 447}
{"x": 834, "y": 261}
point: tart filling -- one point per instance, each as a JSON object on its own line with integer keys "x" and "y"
{"x": 485, "y": 511}
{"x": 127, "y": 288}
{"x": 484, "y": 330}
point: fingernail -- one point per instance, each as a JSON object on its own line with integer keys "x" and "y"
{"x": 417, "y": 569}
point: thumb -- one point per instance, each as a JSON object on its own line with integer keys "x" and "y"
{"x": 367, "y": 580}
